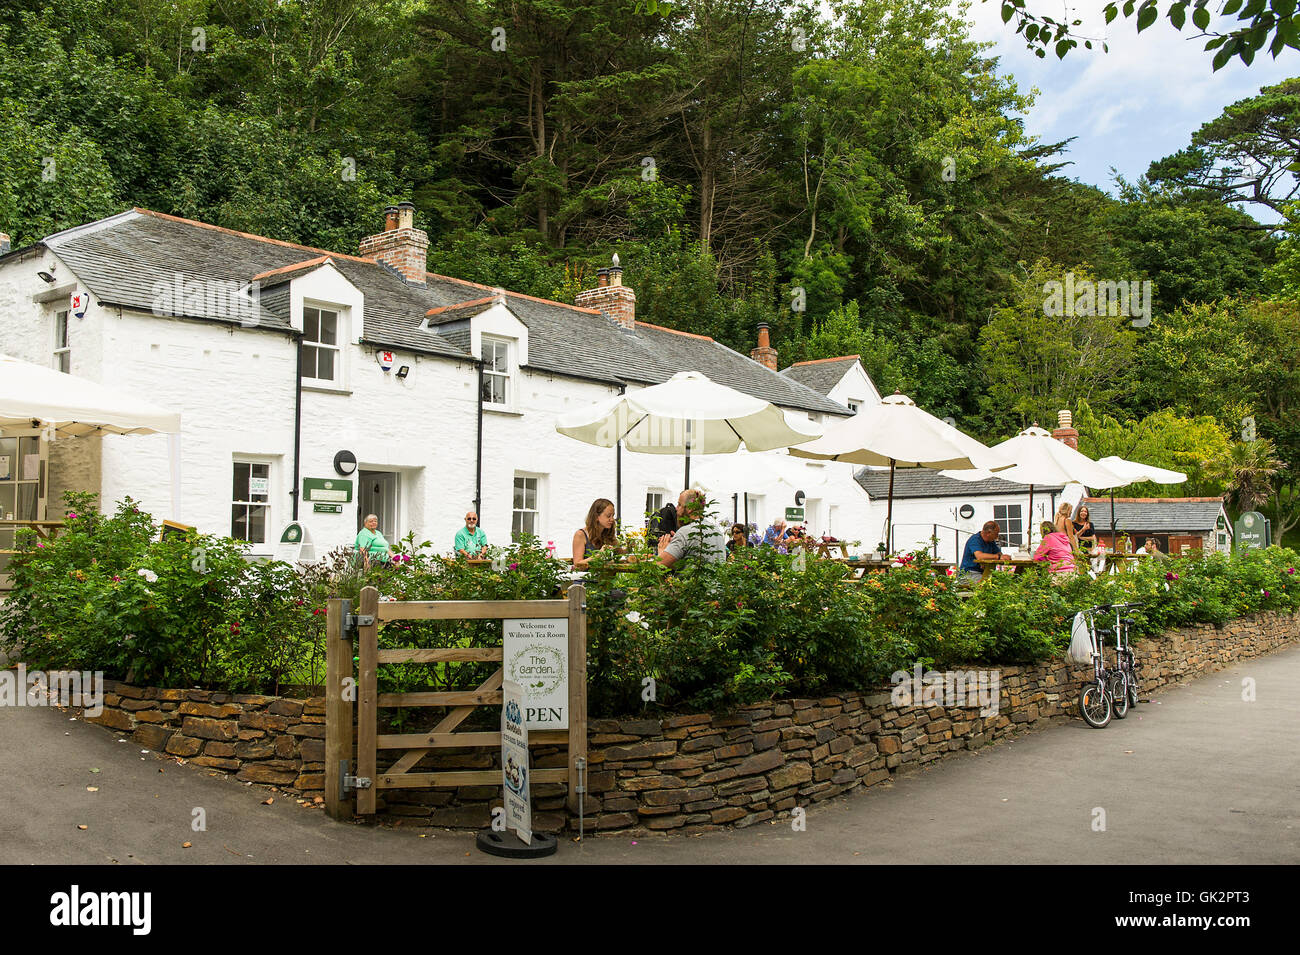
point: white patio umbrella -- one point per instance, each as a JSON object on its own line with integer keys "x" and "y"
{"x": 898, "y": 434}
{"x": 75, "y": 406}
{"x": 1137, "y": 472}
{"x": 1041, "y": 459}
{"x": 686, "y": 413}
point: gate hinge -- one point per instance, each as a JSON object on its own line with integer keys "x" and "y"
{"x": 356, "y": 782}
{"x": 352, "y": 621}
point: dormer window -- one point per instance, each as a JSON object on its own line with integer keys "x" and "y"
{"x": 496, "y": 371}
{"x": 321, "y": 356}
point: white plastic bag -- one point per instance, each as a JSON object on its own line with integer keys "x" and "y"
{"x": 1080, "y": 640}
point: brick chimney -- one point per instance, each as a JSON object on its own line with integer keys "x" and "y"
{"x": 400, "y": 245}
{"x": 1064, "y": 430}
{"x": 611, "y": 296}
{"x": 764, "y": 354}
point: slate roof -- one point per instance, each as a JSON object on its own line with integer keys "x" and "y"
{"x": 1156, "y": 514}
{"x": 923, "y": 482}
{"x": 821, "y": 375}
{"x": 126, "y": 259}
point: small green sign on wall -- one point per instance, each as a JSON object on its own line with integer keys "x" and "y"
{"x": 327, "y": 490}
{"x": 794, "y": 514}
{"x": 1251, "y": 531}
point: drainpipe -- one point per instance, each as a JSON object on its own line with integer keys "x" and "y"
{"x": 478, "y": 457}
{"x": 297, "y": 425}
{"x": 618, "y": 466}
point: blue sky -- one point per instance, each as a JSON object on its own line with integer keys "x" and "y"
{"x": 1135, "y": 104}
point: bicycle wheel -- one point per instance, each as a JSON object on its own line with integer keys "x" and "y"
{"x": 1094, "y": 705}
{"x": 1117, "y": 690}
{"x": 1132, "y": 688}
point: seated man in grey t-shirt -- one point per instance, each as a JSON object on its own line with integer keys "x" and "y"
{"x": 696, "y": 537}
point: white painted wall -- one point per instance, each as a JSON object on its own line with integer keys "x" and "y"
{"x": 856, "y": 385}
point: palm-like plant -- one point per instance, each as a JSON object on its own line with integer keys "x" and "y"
{"x": 1248, "y": 473}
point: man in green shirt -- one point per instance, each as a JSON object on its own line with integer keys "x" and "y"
{"x": 370, "y": 543}
{"x": 470, "y": 540}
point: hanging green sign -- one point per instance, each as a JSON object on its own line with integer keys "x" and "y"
{"x": 327, "y": 490}
{"x": 1251, "y": 531}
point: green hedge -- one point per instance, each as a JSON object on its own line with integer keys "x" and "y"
{"x": 108, "y": 595}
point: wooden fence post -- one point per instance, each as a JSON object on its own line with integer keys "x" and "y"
{"x": 577, "y": 689}
{"x": 368, "y": 698}
{"x": 338, "y": 708}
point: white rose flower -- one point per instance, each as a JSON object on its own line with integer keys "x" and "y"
{"x": 148, "y": 575}
{"x": 633, "y": 617}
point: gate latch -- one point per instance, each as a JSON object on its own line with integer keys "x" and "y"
{"x": 356, "y": 782}
{"x": 352, "y": 621}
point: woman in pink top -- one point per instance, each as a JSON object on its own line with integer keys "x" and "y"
{"x": 1055, "y": 549}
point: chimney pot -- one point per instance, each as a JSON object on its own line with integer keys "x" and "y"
{"x": 406, "y": 215}
{"x": 764, "y": 354}
{"x": 602, "y": 278}
{"x": 1064, "y": 419}
{"x": 390, "y": 218}
{"x": 615, "y": 300}
{"x": 1065, "y": 432}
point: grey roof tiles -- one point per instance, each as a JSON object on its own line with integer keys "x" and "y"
{"x": 150, "y": 262}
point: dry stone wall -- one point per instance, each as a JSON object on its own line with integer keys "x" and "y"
{"x": 689, "y": 772}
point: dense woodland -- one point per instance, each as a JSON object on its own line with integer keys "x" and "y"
{"x": 862, "y": 183}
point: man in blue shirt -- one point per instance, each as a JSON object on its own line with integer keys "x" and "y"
{"x": 981, "y": 549}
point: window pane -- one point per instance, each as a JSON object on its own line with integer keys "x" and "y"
{"x": 65, "y": 362}
{"x": 310, "y": 325}
{"x": 530, "y": 494}
{"x": 61, "y": 330}
{"x": 257, "y": 524}
{"x": 27, "y": 501}
{"x": 239, "y": 522}
{"x": 240, "y": 492}
{"x": 325, "y": 364}
{"x": 329, "y": 328}
{"x": 519, "y": 493}
{"x": 528, "y": 522}
{"x": 498, "y": 389}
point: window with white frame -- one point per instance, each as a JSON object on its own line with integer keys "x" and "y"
{"x": 1011, "y": 523}
{"x": 321, "y": 345}
{"x": 62, "y": 349}
{"x": 250, "y": 509}
{"x": 525, "y": 519}
{"x": 496, "y": 371}
{"x": 853, "y": 404}
{"x": 654, "y": 501}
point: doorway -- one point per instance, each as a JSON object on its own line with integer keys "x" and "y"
{"x": 378, "y": 493}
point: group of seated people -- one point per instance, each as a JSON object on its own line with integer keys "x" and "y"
{"x": 1066, "y": 540}
{"x": 686, "y": 534}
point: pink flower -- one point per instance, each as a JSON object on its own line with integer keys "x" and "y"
{"x": 1290, "y": 570}
{"x": 72, "y": 515}
{"x": 1266, "y": 593}
{"x": 115, "y": 577}
{"x": 39, "y": 544}
{"x": 1171, "y": 576}
{"x": 514, "y": 567}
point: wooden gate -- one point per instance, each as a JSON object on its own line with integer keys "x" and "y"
{"x": 343, "y": 627}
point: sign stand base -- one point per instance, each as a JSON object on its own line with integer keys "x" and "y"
{"x": 508, "y": 846}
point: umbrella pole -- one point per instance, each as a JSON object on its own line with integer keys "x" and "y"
{"x": 889, "y": 511}
{"x": 1112, "y": 518}
{"x": 688, "y": 454}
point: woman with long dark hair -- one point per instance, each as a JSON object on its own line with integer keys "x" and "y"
{"x": 596, "y": 533}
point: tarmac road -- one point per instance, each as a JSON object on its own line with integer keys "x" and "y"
{"x": 1198, "y": 777}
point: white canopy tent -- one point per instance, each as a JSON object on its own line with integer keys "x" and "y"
{"x": 34, "y": 396}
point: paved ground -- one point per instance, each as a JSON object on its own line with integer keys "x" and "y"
{"x": 1200, "y": 777}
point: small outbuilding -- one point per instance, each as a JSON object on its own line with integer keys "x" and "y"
{"x": 1177, "y": 523}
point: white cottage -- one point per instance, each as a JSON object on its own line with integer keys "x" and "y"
{"x": 414, "y": 396}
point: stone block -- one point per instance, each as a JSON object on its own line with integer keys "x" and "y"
{"x": 209, "y": 728}
{"x": 312, "y": 730}
{"x": 115, "y": 719}
{"x": 760, "y": 763}
{"x": 651, "y": 749}
{"x": 312, "y": 750}
{"x": 223, "y": 750}
{"x": 262, "y": 773}
{"x": 792, "y": 774}
{"x": 180, "y": 745}
{"x": 285, "y": 708}
{"x": 151, "y": 736}
{"x": 216, "y": 762}
{"x": 223, "y": 711}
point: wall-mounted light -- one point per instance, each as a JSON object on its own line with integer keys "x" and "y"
{"x": 45, "y": 277}
{"x": 345, "y": 462}
{"x": 403, "y": 371}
